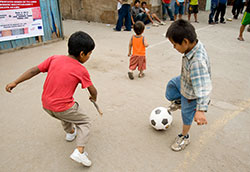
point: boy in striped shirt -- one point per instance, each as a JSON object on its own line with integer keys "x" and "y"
{"x": 189, "y": 91}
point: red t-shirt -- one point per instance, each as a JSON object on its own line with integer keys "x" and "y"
{"x": 64, "y": 74}
{"x": 166, "y": 1}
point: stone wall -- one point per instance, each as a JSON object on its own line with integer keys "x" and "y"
{"x": 91, "y": 10}
{"x": 104, "y": 11}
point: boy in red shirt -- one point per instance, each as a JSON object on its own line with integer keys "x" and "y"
{"x": 64, "y": 74}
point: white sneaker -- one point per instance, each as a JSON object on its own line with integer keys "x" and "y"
{"x": 155, "y": 24}
{"x": 71, "y": 137}
{"x": 81, "y": 158}
{"x": 162, "y": 23}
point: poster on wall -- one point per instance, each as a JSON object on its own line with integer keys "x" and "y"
{"x": 20, "y": 19}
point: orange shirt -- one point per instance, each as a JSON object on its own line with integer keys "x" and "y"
{"x": 139, "y": 48}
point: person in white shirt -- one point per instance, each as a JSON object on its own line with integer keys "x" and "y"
{"x": 150, "y": 16}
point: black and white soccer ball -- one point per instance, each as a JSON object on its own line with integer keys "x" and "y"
{"x": 160, "y": 118}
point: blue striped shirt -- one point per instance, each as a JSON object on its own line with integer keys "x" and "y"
{"x": 196, "y": 76}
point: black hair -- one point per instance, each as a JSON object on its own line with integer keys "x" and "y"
{"x": 181, "y": 29}
{"x": 136, "y": 1}
{"x": 80, "y": 41}
{"x": 139, "y": 27}
{"x": 143, "y": 3}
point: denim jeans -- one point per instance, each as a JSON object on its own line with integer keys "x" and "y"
{"x": 213, "y": 10}
{"x": 188, "y": 107}
{"x": 124, "y": 12}
{"x": 168, "y": 8}
{"x": 179, "y": 9}
{"x": 140, "y": 17}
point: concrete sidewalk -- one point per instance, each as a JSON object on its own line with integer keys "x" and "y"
{"x": 122, "y": 140}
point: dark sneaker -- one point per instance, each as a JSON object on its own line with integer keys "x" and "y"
{"x": 180, "y": 143}
{"x": 175, "y": 105}
{"x": 116, "y": 30}
{"x": 130, "y": 75}
{"x": 211, "y": 23}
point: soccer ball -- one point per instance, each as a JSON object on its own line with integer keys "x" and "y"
{"x": 160, "y": 118}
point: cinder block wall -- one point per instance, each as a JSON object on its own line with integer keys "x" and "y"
{"x": 104, "y": 11}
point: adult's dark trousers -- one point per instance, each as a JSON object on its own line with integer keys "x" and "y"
{"x": 236, "y": 8}
{"x": 124, "y": 13}
{"x": 213, "y": 11}
{"x": 220, "y": 11}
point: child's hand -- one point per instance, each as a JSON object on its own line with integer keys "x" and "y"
{"x": 129, "y": 54}
{"x": 92, "y": 99}
{"x": 178, "y": 3}
{"x": 10, "y": 86}
{"x": 200, "y": 118}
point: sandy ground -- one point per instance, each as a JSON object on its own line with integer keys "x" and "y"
{"x": 122, "y": 140}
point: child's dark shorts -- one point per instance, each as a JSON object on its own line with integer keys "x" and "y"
{"x": 193, "y": 9}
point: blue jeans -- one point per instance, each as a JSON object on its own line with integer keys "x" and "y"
{"x": 213, "y": 10}
{"x": 188, "y": 107}
{"x": 140, "y": 17}
{"x": 179, "y": 9}
{"x": 164, "y": 7}
{"x": 124, "y": 12}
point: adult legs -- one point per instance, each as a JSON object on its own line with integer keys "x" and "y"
{"x": 127, "y": 18}
{"x": 223, "y": 11}
{"x": 154, "y": 16}
{"x": 122, "y": 13}
{"x": 170, "y": 14}
{"x": 234, "y": 9}
{"x": 211, "y": 15}
{"x": 164, "y": 6}
{"x": 217, "y": 13}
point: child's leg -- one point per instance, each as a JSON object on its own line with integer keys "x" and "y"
{"x": 176, "y": 10}
{"x": 187, "y": 112}
{"x": 133, "y": 63}
{"x": 242, "y": 28}
{"x": 156, "y": 17}
{"x": 173, "y": 89}
{"x": 189, "y": 16}
{"x": 185, "y": 129}
{"x": 195, "y": 17}
{"x": 141, "y": 65}
{"x": 81, "y": 121}
{"x": 188, "y": 109}
{"x": 68, "y": 127}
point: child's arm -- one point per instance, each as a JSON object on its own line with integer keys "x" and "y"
{"x": 130, "y": 47}
{"x": 25, "y": 76}
{"x": 145, "y": 42}
{"x": 93, "y": 93}
{"x": 201, "y": 81}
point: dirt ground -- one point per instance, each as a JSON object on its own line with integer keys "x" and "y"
{"x": 122, "y": 140}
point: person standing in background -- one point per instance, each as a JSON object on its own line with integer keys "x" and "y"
{"x": 124, "y": 13}
{"x": 166, "y": 7}
{"x": 221, "y": 10}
